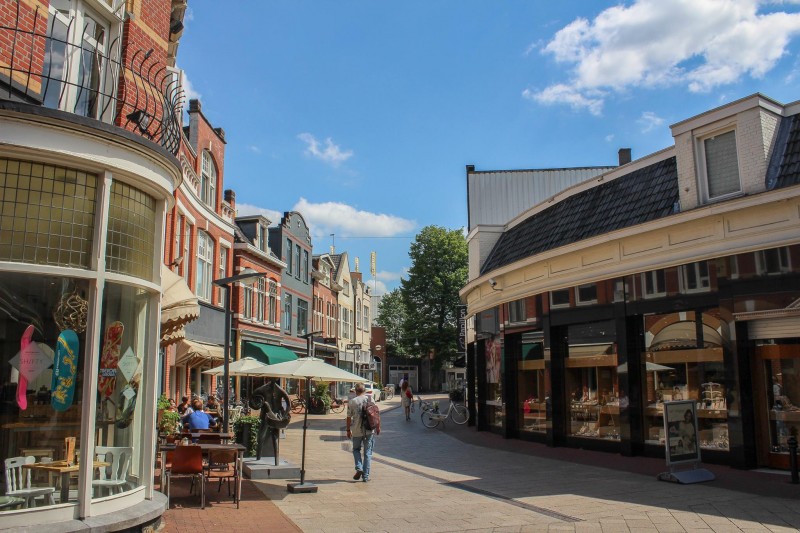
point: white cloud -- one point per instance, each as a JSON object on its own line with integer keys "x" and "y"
{"x": 188, "y": 90}
{"x": 253, "y": 148}
{"x": 329, "y": 153}
{"x": 609, "y": 137}
{"x": 385, "y": 275}
{"x": 699, "y": 44}
{"x": 345, "y": 220}
{"x": 649, "y": 121}
{"x": 244, "y": 210}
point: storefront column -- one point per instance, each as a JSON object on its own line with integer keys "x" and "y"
{"x": 556, "y": 338}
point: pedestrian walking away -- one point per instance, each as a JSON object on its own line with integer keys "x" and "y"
{"x": 362, "y": 438}
{"x": 406, "y": 397}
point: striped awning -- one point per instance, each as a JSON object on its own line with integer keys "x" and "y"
{"x": 178, "y": 306}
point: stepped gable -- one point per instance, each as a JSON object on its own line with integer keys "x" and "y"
{"x": 643, "y": 195}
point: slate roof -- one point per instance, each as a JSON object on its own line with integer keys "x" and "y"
{"x": 643, "y": 195}
{"x": 786, "y": 154}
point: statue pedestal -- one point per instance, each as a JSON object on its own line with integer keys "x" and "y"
{"x": 266, "y": 469}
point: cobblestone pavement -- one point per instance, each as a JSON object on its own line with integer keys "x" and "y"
{"x": 454, "y": 479}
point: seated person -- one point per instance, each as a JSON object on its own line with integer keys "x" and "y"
{"x": 184, "y": 405}
{"x": 197, "y": 418}
{"x": 213, "y": 404}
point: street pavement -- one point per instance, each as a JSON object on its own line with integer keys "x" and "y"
{"x": 454, "y": 479}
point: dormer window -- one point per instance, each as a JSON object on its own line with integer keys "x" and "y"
{"x": 261, "y": 238}
{"x": 719, "y": 165}
{"x": 208, "y": 180}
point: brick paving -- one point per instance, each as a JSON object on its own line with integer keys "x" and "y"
{"x": 454, "y": 479}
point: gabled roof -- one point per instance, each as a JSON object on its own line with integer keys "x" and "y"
{"x": 645, "y": 194}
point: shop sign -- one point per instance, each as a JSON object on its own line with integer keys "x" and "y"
{"x": 462, "y": 328}
{"x": 32, "y": 360}
{"x": 128, "y": 364}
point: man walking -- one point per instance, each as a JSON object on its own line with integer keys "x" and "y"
{"x": 361, "y": 436}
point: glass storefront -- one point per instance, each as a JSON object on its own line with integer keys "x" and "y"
{"x": 592, "y": 385}
{"x": 781, "y": 373}
{"x": 533, "y": 392}
{"x": 495, "y": 414}
{"x": 684, "y": 361}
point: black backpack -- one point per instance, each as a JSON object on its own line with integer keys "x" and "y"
{"x": 371, "y": 417}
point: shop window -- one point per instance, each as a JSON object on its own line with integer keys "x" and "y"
{"x": 495, "y": 416}
{"x": 121, "y": 420}
{"x": 592, "y": 383}
{"x": 586, "y": 294}
{"x": 719, "y": 165}
{"x": 779, "y": 371}
{"x": 684, "y": 361}
{"x": 654, "y": 284}
{"x": 516, "y": 311}
{"x": 532, "y": 390}
{"x": 130, "y": 246}
{"x": 773, "y": 261}
{"x": 694, "y": 277}
{"x": 559, "y": 298}
{"x": 46, "y": 318}
{"x": 46, "y": 214}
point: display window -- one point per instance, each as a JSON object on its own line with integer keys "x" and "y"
{"x": 684, "y": 361}
{"x": 592, "y": 382}
{"x": 42, "y": 355}
{"x": 495, "y": 416}
{"x": 778, "y": 374}
{"x": 119, "y": 426}
{"x": 533, "y": 388}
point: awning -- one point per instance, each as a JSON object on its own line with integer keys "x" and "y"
{"x": 178, "y": 306}
{"x": 194, "y": 353}
{"x": 268, "y": 353}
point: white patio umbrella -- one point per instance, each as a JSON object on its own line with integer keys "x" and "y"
{"x": 246, "y": 366}
{"x": 310, "y": 369}
{"x": 649, "y": 367}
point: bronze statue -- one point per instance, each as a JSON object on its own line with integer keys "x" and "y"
{"x": 274, "y": 403}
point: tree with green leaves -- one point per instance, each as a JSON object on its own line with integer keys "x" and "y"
{"x": 391, "y": 316}
{"x": 430, "y": 294}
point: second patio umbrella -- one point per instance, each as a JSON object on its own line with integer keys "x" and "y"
{"x": 310, "y": 369}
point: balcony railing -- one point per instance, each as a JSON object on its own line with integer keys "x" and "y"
{"x": 40, "y": 65}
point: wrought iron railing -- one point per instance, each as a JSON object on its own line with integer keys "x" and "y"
{"x": 40, "y": 64}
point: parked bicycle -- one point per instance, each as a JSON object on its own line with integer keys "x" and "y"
{"x": 298, "y": 405}
{"x": 432, "y": 417}
{"x": 338, "y": 405}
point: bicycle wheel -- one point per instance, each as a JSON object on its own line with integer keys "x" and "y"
{"x": 459, "y": 414}
{"x": 337, "y": 407}
{"x": 428, "y": 419}
{"x": 298, "y": 405}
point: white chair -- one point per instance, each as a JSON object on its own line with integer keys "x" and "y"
{"x": 235, "y": 413}
{"x": 18, "y": 482}
{"x": 113, "y": 478}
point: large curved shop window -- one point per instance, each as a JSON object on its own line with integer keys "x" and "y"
{"x": 42, "y": 372}
{"x": 119, "y": 428}
{"x": 684, "y": 361}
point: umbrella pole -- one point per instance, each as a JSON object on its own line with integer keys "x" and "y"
{"x": 303, "y": 486}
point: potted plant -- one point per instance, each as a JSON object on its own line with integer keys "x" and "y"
{"x": 320, "y": 399}
{"x": 246, "y": 430}
{"x": 169, "y": 422}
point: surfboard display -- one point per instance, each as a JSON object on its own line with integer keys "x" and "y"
{"x": 65, "y": 367}
{"x": 108, "y": 360}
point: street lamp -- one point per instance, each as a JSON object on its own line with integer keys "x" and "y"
{"x": 247, "y": 277}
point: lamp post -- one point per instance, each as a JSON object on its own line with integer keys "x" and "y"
{"x": 248, "y": 276}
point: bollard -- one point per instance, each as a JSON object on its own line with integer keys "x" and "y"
{"x": 792, "y": 442}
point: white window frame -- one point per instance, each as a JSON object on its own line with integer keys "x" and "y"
{"x": 783, "y": 258}
{"x": 358, "y": 313}
{"x": 247, "y": 302}
{"x": 187, "y": 243}
{"x": 76, "y": 11}
{"x": 222, "y": 269}
{"x": 262, "y": 238}
{"x": 208, "y": 180}
{"x": 652, "y": 276}
{"x": 289, "y": 255}
{"x": 261, "y": 300}
{"x": 272, "y": 317}
{"x": 702, "y": 164}
{"x": 286, "y": 319}
{"x": 365, "y": 317}
{"x": 683, "y": 279}
{"x": 205, "y": 265}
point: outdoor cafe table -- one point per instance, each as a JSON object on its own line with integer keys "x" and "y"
{"x": 196, "y": 434}
{"x": 66, "y": 470}
{"x": 206, "y": 447}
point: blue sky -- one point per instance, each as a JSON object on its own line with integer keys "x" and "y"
{"x": 363, "y": 115}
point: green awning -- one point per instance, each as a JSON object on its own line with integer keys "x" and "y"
{"x": 268, "y": 353}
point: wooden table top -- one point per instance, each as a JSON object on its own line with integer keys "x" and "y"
{"x": 62, "y": 466}
{"x": 206, "y": 446}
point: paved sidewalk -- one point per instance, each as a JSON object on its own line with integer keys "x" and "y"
{"x": 455, "y": 479}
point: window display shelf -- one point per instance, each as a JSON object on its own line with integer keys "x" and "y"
{"x": 787, "y": 416}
